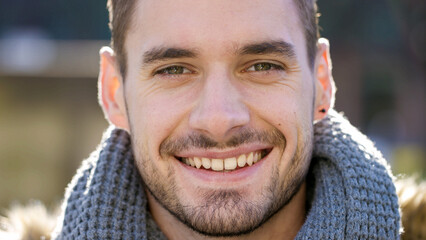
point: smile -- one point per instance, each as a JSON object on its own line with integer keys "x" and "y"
{"x": 226, "y": 164}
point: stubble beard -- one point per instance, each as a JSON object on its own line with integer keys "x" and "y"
{"x": 225, "y": 213}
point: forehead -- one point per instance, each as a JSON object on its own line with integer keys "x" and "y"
{"x": 214, "y": 25}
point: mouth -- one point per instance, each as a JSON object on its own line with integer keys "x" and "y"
{"x": 225, "y": 164}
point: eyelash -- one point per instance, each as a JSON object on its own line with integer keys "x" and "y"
{"x": 163, "y": 71}
{"x": 271, "y": 65}
{"x": 185, "y": 70}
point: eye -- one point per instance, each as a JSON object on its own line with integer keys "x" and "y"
{"x": 173, "y": 70}
{"x": 263, "y": 66}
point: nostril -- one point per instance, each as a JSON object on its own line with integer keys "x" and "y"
{"x": 218, "y": 124}
{"x": 219, "y": 110}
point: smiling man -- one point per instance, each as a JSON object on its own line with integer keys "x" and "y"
{"x": 223, "y": 127}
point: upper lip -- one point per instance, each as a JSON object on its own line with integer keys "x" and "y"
{"x": 222, "y": 153}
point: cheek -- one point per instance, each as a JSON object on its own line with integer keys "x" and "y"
{"x": 155, "y": 114}
{"x": 282, "y": 106}
{"x": 287, "y": 109}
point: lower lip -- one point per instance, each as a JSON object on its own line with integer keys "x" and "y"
{"x": 210, "y": 176}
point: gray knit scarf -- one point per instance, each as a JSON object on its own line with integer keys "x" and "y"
{"x": 353, "y": 196}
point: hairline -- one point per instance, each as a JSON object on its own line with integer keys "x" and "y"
{"x": 121, "y": 52}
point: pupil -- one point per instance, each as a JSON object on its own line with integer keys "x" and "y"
{"x": 263, "y": 66}
{"x": 176, "y": 70}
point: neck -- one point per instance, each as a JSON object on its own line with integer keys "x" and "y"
{"x": 285, "y": 224}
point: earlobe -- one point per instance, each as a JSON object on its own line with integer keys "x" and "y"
{"x": 110, "y": 90}
{"x": 325, "y": 88}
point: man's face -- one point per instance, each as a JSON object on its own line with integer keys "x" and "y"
{"x": 224, "y": 86}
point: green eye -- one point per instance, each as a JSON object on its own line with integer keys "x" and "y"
{"x": 173, "y": 70}
{"x": 263, "y": 66}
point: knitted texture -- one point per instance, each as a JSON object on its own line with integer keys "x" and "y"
{"x": 105, "y": 199}
{"x": 353, "y": 195}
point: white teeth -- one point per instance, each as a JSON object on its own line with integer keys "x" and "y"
{"x": 217, "y": 164}
{"x": 191, "y": 162}
{"x": 206, "y": 163}
{"x": 230, "y": 163}
{"x": 256, "y": 157}
{"x": 242, "y": 160}
{"x": 197, "y": 162}
{"x": 227, "y": 164}
{"x": 250, "y": 159}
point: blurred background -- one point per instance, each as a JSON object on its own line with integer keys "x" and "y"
{"x": 50, "y": 119}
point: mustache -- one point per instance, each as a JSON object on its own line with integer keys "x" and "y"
{"x": 198, "y": 140}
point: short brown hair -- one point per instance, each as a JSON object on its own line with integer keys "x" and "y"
{"x": 121, "y": 11}
{"x": 308, "y": 15}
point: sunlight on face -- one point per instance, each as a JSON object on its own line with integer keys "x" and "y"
{"x": 219, "y": 98}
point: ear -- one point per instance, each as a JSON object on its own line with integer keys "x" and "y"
{"x": 110, "y": 90}
{"x": 324, "y": 83}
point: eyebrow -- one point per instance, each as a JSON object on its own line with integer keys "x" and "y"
{"x": 163, "y": 53}
{"x": 262, "y": 48}
{"x": 269, "y": 47}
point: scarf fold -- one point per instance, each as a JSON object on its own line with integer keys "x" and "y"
{"x": 353, "y": 195}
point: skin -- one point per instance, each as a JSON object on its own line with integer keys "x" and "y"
{"x": 216, "y": 90}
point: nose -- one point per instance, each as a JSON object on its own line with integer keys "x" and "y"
{"x": 219, "y": 110}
